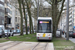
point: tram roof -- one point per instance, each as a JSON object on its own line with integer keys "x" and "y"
{"x": 49, "y": 18}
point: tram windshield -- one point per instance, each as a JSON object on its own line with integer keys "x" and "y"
{"x": 44, "y": 26}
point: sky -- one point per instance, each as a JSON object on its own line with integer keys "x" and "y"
{"x": 45, "y": 3}
{"x": 70, "y": 2}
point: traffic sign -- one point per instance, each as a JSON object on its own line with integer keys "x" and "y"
{"x": 74, "y": 27}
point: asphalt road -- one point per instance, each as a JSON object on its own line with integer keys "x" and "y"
{"x": 19, "y": 34}
{"x": 70, "y": 38}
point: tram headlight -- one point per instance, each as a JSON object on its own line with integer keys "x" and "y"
{"x": 38, "y": 34}
{"x": 48, "y": 34}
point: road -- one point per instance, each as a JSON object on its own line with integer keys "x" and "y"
{"x": 70, "y": 38}
{"x": 19, "y": 34}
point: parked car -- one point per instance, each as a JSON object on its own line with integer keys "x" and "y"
{"x": 8, "y": 33}
{"x": 2, "y": 27}
{"x": 18, "y": 31}
{"x": 2, "y": 34}
{"x": 71, "y": 34}
{"x": 14, "y": 31}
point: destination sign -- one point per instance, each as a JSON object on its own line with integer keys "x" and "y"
{"x": 43, "y": 22}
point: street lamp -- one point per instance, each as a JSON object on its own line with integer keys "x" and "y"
{"x": 67, "y": 37}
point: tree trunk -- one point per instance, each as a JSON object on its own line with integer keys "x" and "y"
{"x": 32, "y": 26}
{"x": 23, "y": 4}
{"x": 54, "y": 15}
{"x": 29, "y": 13}
{"x": 59, "y": 15}
{"x": 20, "y": 10}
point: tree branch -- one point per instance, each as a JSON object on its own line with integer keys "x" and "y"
{"x": 58, "y": 17}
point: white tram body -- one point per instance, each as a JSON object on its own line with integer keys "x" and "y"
{"x": 44, "y": 28}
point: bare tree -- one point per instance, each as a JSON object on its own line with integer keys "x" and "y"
{"x": 23, "y": 4}
{"x": 56, "y": 14}
{"x": 19, "y": 1}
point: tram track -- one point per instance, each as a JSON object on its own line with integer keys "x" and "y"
{"x": 40, "y": 47}
{"x": 35, "y": 46}
{"x": 12, "y": 45}
{"x": 43, "y": 46}
{"x": 46, "y": 46}
{"x": 7, "y": 44}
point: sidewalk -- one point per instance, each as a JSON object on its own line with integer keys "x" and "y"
{"x": 17, "y": 45}
{"x": 70, "y": 38}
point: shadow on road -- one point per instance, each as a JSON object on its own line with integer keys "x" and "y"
{"x": 44, "y": 41}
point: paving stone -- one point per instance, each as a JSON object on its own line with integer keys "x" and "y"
{"x": 27, "y": 46}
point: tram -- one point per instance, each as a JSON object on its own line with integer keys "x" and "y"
{"x": 44, "y": 28}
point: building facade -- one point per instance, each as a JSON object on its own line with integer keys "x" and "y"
{"x": 8, "y": 14}
{"x": 12, "y": 16}
{"x": 17, "y": 19}
{"x": 2, "y": 12}
{"x": 71, "y": 22}
{"x": 62, "y": 22}
{"x": 74, "y": 18}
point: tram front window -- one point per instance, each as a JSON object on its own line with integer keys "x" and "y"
{"x": 44, "y": 26}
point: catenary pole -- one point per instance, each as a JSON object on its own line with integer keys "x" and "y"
{"x": 67, "y": 35}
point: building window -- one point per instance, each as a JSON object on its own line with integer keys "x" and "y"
{"x": 70, "y": 21}
{"x": 8, "y": 20}
{"x": 70, "y": 25}
{"x": 2, "y": 0}
{"x": 70, "y": 17}
{"x": 9, "y": 5}
{"x": 8, "y": 11}
{"x": 1, "y": 6}
{"x": 2, "y": 14}
{"x": 15, "y": 19}
{"x": 16, "y": 12}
